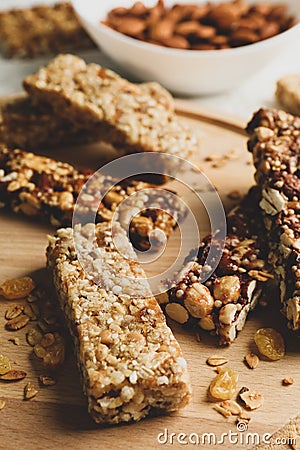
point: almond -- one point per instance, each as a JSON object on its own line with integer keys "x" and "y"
{"x": 132, "y": 26}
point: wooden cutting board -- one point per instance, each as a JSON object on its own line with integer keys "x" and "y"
{"x": 57, "y": 417}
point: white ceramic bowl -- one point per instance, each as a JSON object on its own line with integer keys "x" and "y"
{"x": 187, "y": 72}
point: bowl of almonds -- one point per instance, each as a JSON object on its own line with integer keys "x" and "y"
{"x": 191, "y": 48}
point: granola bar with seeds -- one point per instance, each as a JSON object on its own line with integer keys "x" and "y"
{"x": 43, "y": 188}
{"x": 49, "y": 29}
{"x": 129, "y": 360}
{"x": 222, "y": 303}
{"x": 274, "y": 144}
{"x": 29, "y": 126}
{"x": 128, "y": 118}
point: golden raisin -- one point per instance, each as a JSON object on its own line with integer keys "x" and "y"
{"x": 270, "y": 343}
{"x": 17, "y": 288}
{"x": 223, "y": 386}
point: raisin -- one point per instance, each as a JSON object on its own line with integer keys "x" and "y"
{"x": 17, "y": 288}
{"x": 223, "y": 386}
{"x": 270, "y": 343}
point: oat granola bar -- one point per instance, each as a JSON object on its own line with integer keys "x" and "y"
{"x": 129, "y": 360}
{"x": 288, "y": 93}
{"x": 42, "y": 29}
{"x": 41, "y": 187}
{"x": 221, "y": 304}
{"x": 274, "y": 143}
{"x": 129, "y": 119}
{"x": 30, "y": 126}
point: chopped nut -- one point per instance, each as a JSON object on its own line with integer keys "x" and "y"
{"x": 260, "y": 275}
{"x": 29, "y": 391}
{"x": 227, "y": 313}
{"x": 15, "y": 340}
{"x": 251, "y": 400}
{"x": 46, "y": 380}
{"x": 207, "y": 323}
{"x": 13, "y": 375}
{"x": 198, "y": 300}
{"x": 227, "y": 289}
{"x": 32, "y": 311}
{"x": 252, "y": 360}
{"x": 225, "y": 412}
{"x": 244, "y": 416}
{"x": 47, "y": 340}
{"x": 2, "y": 404}
{"x": 177, "y": 312}
{"x": 231, "y": 406}
{"x": 17, "y": 323}
{"x": 33, "y": 337}
{"x": 216, "y": 361}
{"x": 106, "y": 337}
{"x": 288, "y": 381}
{"x": 13, "y": 312}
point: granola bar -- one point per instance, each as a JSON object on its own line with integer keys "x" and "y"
{"x": 30, "y": 126}
{"x": 41, "y": 187}
{"x": 288, "y": 93}
{"x": 27, "y": 33}
{"x": 221, "y": 304}
{"x": 129, "y": 360}
{"x": 129, "y": 119}
{"x": 274, "y": 143}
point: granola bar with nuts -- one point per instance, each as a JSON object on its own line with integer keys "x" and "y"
{"x": 28, "y": 126}
{"x": 127, "y": 117}
{"x": 221, "y": 304}
{"x": 129, "y": 360}
{"x": 43, "y": 188}
{"x": 49, "y": 29}
{"x": 275, "y": 143}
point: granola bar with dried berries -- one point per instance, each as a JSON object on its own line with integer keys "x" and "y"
{"x": 128, "y": 118}
{"x": 274, "y": 143}
{"x": 129, "y": 360}
{"x": 40, "y": 30}
{"x": 221, "y": 304}
{"x": 41, "y": 187}
{"x": 28, "y": 126}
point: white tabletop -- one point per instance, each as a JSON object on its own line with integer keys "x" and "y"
{"x": 242, "y": 102}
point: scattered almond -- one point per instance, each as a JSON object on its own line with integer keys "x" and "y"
{"x": 46, "y": 380}
{"x": 288, "y": 381}
{"x": 252, "y": 360}
{"x": 29, "y": 391}
{"x": 13, "y": 375}
{"x": 215, "y": 361}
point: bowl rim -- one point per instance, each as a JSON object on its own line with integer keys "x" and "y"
{"x": 186, "y": 53}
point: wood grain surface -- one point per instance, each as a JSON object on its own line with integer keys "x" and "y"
{"x": 57, "y": 417}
